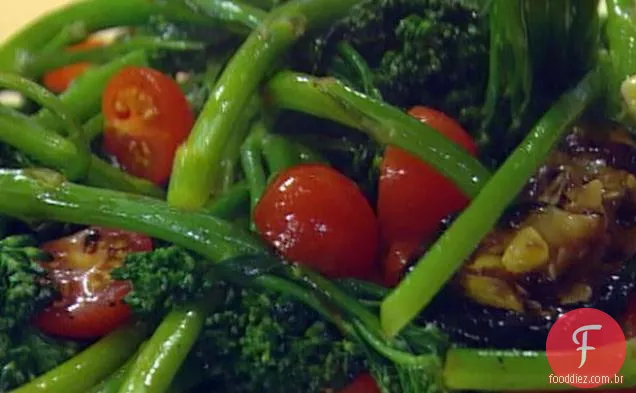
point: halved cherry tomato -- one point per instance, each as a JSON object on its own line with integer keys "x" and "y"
{"x": 90, "y": 303}
{"x": 314, "y": 215}
{"x": 362, "y": 384}
{"x": 60, "y": 79}
{"x": 147, "y": 118}
{"x": 413, "y": 196}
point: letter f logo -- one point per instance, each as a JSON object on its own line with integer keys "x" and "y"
{"x": 584, "y": 347}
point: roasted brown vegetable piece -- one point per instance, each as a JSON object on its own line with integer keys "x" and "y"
{"x": 568, "y": 243}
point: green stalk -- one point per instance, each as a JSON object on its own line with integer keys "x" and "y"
{"x": 88, "y": 15}
{"x": 57, "y": 59}
{"x": 49, "y": 101}
{"x": 114, "y": 381}
{"x": 54, "y": 151}
{"x": 43, "y": 194}
{"x": 280, "y": 154}
{"x": 228, "y": 203}
{"x": 84, "y": 97}
{"x": 621, "y": 65}
{"x": 94, "y": 127}
{"x": 456, "y": 244}
{"x": 196, "y": 167}
{"x": 489, "y": 370}
{"x": 85, "y": 370}
{"x": 252, "y": 164}
{"x": 232, "y": 11}
{"x": 160, "y": 359}
{"x": 330, "y": 99}
{"x": 359, "y": 65}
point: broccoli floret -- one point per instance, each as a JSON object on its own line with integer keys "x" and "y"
{"x": 254, "y": 341}
{"x": 421, "y": 52}
{"x": 23, "y": 287}
{"x": 266, "y": 343}
{"x": 162, "y": 279}
{"x": 24, "y": 352}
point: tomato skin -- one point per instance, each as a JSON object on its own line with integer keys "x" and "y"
{"x": 362, "y": 384}
{"x": 147, "y": 119}
{"x": 91, "y": 303}
{"x": 60, "y": 79}
{"x": 413, "y": 196}
{"x": 316, "y": 216}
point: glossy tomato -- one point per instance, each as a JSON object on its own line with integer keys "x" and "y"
{"x": 314, "y": 215}
{"x": 147, "y": 118}
{"x": 413, "y": 196}
{"x": 90, "y": 303}
{"x": 60, "y": 79}
{"x": 362, "y": 384}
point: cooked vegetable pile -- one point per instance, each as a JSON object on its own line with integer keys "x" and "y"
{"x": 313, "y": 195}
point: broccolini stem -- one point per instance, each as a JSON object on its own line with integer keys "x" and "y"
{"x": 161, "y": 357}
{"x": 114, "y": 381}
{"x": 84, "y": 97}
{"x": 360, "y": 66}
{"x": 55, "y": 151}
{"x": 45, "y": 194}
{"x": 197, "y": 167}
{"x": 87, "y": 16}
{"x": 328, "y": 98}
{"x": 280, "y": 153}
{"x": 232, "y": 11}
{"x": 621, "y": 65}
{"x": 94, "y": 127}
{"x": 49, "y": 101}
{"x": 82, "y": 372}
{"x": 456, "y": 244}
{"x": 228, "y": 203}
{"x": 489, "y": 370}
{"x": 57, "y": 59}
{"x": 252, "y": 163}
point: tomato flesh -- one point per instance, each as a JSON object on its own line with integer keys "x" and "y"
{"x": 147, "y": 119}
{"x": 60, "y": 79}
{"x": 316, "y": 216}
{"x": 90, "y": 303}
{"x": 362, "y": 384}
{"x": 414, "y": 197}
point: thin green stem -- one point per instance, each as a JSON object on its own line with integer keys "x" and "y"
{"x": 160, "y": 359}
{"x": 89, "y": 16}
{"x": 43, "y": 194}
{"x": 196, "y": 166}
{"x": 94, "y": 127}
{"x": 491, "y": 370}
{"x": 456, "y": 244}
{"x": 330, "y": 99}
{"x": 361, "y": 68}
{"x": 232, "y": 11}
{"x": 54, "y": 151}
{"x": 226, "y": 205}
{"x": 85, "y": 370}
{"x": 280, "y": 153}
{"x": 50, "y": 61}
{"x": 84, "y": 97}
{"x": 252, "y": 163}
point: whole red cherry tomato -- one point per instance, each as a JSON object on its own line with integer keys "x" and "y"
{"x": 413, "y": 196}
{"x": 91, "y": 304}
{"x": 316, "y": 216}
{"x": 147, "y": 119}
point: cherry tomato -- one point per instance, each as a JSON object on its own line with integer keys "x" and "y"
{"x": 147, "y": 118}
{"x": 396, "y": 260}
{"x": 362, "y": 384}
{"x": 629, "y": 321}
{"x": 60, "y": 79}
{"x": 413, "y": 196}
{"x": 90, "y": 303}
{"x": 314, "y": 215}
